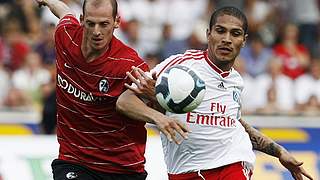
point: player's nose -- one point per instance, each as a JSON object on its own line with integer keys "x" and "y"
{"x": 96, "y": 30}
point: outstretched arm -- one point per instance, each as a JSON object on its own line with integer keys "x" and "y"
{"x": 57, "y": 7}
{"x": 132, "y": 106}
{"x": 264, "y": 144}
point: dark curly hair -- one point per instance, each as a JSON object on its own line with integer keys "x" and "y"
{"x": 232, "y": 11}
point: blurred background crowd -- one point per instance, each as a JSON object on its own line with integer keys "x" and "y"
{"x": 280, "y": 63}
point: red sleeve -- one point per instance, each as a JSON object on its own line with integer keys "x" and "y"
{"x": 68, "y": 20}
{"x": 66, "y": 26}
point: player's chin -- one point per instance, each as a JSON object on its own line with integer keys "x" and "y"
{"x": 98, "y": 47}
{"x": 225, "y": 58}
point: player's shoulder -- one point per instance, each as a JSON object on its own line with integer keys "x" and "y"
{"x": 188, "y": 57}
{"x": 122, "y": 50}
{"x": 69, "y": 20}
{"x": 193, "y": 55}
{"x": 234, "y": 74}
{"x": 235, "y": 77}
{"x": 125, "y": 55}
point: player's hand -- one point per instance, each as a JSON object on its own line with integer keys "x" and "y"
{"x": 145, "y": 84}
{"x": 294, "y": 166}
{"x": 170, "y": 127}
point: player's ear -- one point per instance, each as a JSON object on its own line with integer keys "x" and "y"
{"x": 81, "y": 19}
{"x": 244, "y": 40}
{"x": 117, "y": 22}
{"x": 208, "y": 34}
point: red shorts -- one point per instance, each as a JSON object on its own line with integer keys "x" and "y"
{"x": 235, "y": 171}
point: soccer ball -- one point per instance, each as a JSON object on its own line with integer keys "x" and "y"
{"x": 179, "y": 89}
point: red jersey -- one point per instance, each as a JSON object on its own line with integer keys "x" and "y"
{"x": 89, "y": 130}
{"x": 290, "y": 64}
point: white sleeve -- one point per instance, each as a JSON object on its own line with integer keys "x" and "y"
{"x": 159, "y": 68}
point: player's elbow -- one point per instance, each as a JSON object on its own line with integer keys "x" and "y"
{"x": 122, "y": 103}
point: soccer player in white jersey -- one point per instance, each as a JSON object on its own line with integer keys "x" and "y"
{"x": 220, "y": 145}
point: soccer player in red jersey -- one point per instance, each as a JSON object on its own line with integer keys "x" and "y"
{"x": 95, "y": 141}
{"x": 213, "y": 151}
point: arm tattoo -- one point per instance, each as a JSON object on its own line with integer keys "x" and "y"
{"x": 261, "y": 142}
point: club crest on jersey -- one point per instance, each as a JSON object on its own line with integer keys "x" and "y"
{"x": 103, "y": 86}
{"x": 236, "y": 96}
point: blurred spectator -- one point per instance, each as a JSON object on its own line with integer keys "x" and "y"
{"x": 262, "y": 20}
{"x": 15, "y": 43}
{"x": 183, "y": 15}
{"x": 16, "y": 100}
{"x": 312, "y": 107}
{"x": 271, "y": 107}
{"x": 48, "y": 122}
{"x": 31, "y": 76}
{"x": 24, "y": 13}
{"x": 306, "y": 15}
{"x": 131, "y": 36}
{"x": 151, "y": 14}
{"x": 256, "y": 55}
{"x": 152, "y": 60}
{"x": 48, "y": 94}
{"x": 169, "y": 45}
{"x": 45, "y": 47}
{"x": 221, "y": 3}
{"x": 4, "y": 83}
{"x": 308, "y": 85}
{"x": 248, "y": 104}
{"x": 274, "y": 86}
{"x": 293, "y": 56}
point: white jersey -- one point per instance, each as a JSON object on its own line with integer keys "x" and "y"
{"x": 217, "y": 136}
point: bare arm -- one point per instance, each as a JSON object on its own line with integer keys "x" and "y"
{"x": 261, "y": 142}
{"x": 264, "y": 144}
{"x": 130, "y": 105}
{"x": 57, "y": 7}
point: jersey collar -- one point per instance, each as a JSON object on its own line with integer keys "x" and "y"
{"x": 215, "y": 67}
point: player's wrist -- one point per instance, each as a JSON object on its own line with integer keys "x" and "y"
{"x": 281, "y": 151}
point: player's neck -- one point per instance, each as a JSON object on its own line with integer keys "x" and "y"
{"x": 91, "y": 54}
{"x": 223, "y": 65}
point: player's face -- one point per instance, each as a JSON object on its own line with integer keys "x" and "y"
{"x": 225, "y": 39}
{"x": 99, "y": 25}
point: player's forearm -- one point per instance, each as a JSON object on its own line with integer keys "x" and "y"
{"x": 261, "y": 142}
{"x": 131, "y": 106}
{"x": 57, "y": 7}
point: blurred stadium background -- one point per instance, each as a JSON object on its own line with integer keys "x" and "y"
{"x": 280, "y": 65}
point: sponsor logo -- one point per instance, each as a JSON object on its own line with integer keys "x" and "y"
{"x": 71, "y": 89}
{"x": 210, "y": 120}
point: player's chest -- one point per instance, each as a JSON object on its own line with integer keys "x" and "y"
{"x": 105, "y": 79}
{"x": 222, "y": 96}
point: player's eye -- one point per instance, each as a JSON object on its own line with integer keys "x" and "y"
{"x": 90, "y": 24}
{"x": 236, "y": 33}
{"x": 220, "y": 30}
{"x": 105, "y": 24}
